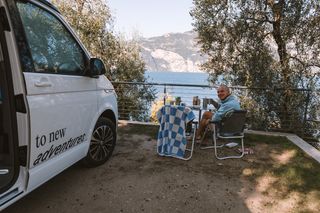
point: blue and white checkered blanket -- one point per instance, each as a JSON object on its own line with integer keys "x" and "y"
{"x": 171, "y": 137}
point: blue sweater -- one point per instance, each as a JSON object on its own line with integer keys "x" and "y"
{"x": 230, "y": 103}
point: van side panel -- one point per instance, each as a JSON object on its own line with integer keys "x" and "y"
{"x": 49, "y": 169}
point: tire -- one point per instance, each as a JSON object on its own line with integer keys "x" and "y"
{"x": 103, "y": 141}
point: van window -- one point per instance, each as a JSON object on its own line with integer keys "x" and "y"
{"x": 53, "y": 48}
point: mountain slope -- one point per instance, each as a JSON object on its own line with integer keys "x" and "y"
{"x": 172, "y": 52}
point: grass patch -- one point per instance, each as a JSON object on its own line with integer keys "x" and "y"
{"x": 140, "y": 129}
{"x": 292, "y": 169}
{"x": 254, "y": 138}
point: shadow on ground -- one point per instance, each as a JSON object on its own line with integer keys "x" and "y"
{"x": 136, "y": 179}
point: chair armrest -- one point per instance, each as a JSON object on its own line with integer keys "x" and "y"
{"x": 214, "y": 103}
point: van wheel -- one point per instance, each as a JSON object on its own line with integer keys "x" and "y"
{"x": 103, "y": 141}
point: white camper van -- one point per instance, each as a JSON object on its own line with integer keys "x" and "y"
{"x": 56, "y": 106}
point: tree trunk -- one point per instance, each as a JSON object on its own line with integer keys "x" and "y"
{"x": 284, "y": 111}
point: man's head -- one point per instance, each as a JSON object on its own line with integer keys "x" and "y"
{"x": 223, "y": 92}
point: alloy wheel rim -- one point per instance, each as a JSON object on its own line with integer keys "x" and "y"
{"x": 101, "y": 143}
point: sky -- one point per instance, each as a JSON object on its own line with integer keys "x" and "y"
{"x": 151, "y": 18}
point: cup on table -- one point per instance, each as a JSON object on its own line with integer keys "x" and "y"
{"x": 178, "y": 100}
{"x": 205, "y": 103}
{"x": 196, "y": 101}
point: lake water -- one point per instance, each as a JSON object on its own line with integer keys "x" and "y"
{"x": 178, "y": 77}
{"x": 186, "y": 93}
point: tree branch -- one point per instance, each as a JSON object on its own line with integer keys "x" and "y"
{"x": 305, "y": 64}
{"x": 259, "y": 20}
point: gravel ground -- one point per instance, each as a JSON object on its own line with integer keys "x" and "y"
{"x": 136, "y": 179}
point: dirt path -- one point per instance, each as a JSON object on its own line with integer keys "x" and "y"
{"x": 135, "y": 179}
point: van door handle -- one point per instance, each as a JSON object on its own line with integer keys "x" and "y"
{"x": 43, "y": 82}
{"x": 4, "y": 171}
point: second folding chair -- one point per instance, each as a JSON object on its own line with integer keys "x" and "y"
{"x": 231, "y": 127}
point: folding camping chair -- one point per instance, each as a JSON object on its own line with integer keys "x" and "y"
{"x": 230, "y": 127}
{"x": 172, "y": 139}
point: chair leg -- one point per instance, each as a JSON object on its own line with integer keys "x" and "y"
{"x": 192, "y": 145}
{"x": 203, "y": 135}
{"x": 213, "y": 142}
{"x": 192, "y": 148}
{"x": 228, "y": 157}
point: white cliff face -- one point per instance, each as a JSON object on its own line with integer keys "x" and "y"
{"x": 175, "y": 62}
{"x": 172, "y": 52}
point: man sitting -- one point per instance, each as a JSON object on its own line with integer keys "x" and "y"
{"x": 227, "y": 102}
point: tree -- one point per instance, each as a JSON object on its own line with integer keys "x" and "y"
{"x": 270, "y": 44}
{"x": 134, "y": 99}
{"x": 93, "y": 23}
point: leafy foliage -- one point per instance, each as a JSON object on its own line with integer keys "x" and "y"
{"x": 266, "y": 44}
{"x": 57, "y": 48}
{"x": 92, "y": 21}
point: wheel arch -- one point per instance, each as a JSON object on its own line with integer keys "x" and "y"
{"x": 108, "y": 113}
{"x": 107, "y": 117}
